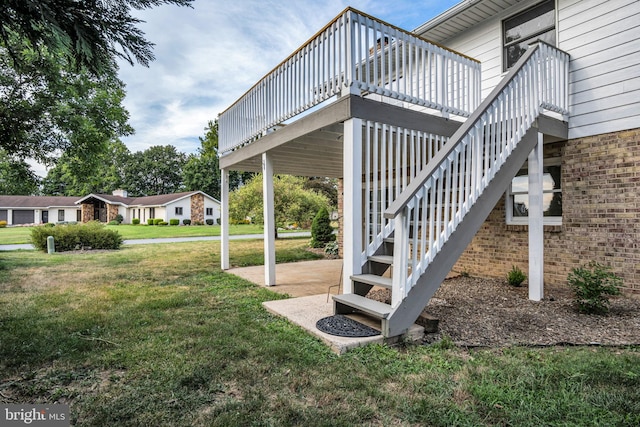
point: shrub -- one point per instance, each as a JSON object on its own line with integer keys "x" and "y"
{"x": 91, "y": 235}
{"x": 174, "y": 221}
{"x": 150, "y": 221}
{"x": 332, "y": 248}
{"x": 593, "y": 284}
{"x": 321, "y": 230}
{"x": 3, "y": 224}
{"x": 186, "y": 221}
{"x": 198, "y": 223}
{"x": 119, "y": 218}
{"x": 157, "y": 221}
{"x": 515, "y": 277}
{"x": 162, "y": 223}
{"x": 135, "y": 221}
{"x": 218, "y": 221}
{"x": 49, "y": 224}
{"x": 113, "y": 222}
{"x": 209, "y": 221}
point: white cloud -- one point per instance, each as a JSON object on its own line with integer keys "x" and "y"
{"x": 208, "y": 56}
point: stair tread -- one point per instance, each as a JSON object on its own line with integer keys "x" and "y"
{"x": 372, "y": 279}
{"x": 369, "y": 306}
{"x": 383, "y": 259}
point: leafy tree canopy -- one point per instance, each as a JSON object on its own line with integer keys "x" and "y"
{"x": 88, "y": 34}
{"x": 292, "y": 202}
{"x": 16, "y": 177}
{"x": 157, "y": 170}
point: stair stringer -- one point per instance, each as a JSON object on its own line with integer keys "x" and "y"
{"x": 405, "y": 314}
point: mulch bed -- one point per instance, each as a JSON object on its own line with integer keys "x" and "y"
{"x": 476, "y": 312}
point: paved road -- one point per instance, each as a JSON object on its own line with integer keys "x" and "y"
{"x": 175, "y": 240}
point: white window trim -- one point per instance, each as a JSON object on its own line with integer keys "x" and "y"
{"x": 521, "y": 220}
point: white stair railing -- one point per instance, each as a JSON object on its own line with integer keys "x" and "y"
{"x": 354, "y": 53}
{"x": 440, "y": 197}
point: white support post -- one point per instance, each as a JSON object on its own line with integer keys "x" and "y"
{"x": 224, "y": 220}
{"x": 536, "y": 228}
{"x": 269, "y": 222}
{"x": 352, "y": 200}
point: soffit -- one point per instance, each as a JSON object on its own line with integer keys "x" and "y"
{"x": 462, "y": 17}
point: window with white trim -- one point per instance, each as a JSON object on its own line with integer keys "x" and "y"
{"x": 60, "y": 214}
{"x": 178, "y": 210}
{"x": 209, "y": 212}
{"x": 536, "y": 23}
{"x": 517, "y": 202}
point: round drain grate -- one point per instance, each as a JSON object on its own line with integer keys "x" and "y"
{"x": 343, "y": 326}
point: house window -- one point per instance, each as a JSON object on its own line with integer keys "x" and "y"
{"x": 178, "y": 210}
{"x": 536, "y": 23}
{"x": 209, "y": 212}
{"x": 60, "y": 214}
{"x": 79, "y": 216}
{"x": 518, "y": 195}
{"x": 152, "y": 213}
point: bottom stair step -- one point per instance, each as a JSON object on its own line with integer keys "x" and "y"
{"x": 376, "y": 309}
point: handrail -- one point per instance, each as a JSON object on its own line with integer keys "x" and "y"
{"x": 432, "y": 206}
{"x": 415, "y": 185}
{"x": 359, "y": 54}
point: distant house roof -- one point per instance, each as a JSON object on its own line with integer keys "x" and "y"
{"x": 158, "y": 200}
{"x": 37, "y": 202}
{"x": 46, "y": 202}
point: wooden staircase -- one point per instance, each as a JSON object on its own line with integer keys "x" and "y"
{"x": 453, "y": 195}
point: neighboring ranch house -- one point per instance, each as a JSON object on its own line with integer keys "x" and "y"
{"x": 499, "y": 133}
{"x": 193, "y": 205}
{"x": 16, "y": 210}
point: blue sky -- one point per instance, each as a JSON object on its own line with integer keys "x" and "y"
{"x": 208, "y": 56}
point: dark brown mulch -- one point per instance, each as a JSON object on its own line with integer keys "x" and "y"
{"x": 489, "y": 312}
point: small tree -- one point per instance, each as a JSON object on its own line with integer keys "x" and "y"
{"x": 321, "y": 230}
{"x": 593, "y": 284}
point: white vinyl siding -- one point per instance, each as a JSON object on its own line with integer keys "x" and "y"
{"x": 603, "y": 39}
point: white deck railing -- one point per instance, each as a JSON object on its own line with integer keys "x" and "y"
{"x": 392, "y": 158}
{"x": 430, "y": 209}
{"x": 354, "y": 53}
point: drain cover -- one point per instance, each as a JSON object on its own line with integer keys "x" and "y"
{"x": 344, "y": 326}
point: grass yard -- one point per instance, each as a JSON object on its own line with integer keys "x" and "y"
{"x": 156, "y": 335}
{"x": 21, "y": 235}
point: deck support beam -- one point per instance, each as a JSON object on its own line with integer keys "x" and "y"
{"x": 224, "y": 219}
{"x": 269, "y": 221}
{"x": 536, "y": 225}
{"x": 352, "y": 217}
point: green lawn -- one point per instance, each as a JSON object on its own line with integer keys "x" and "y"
{"x": 157, "y": 335}
{"x": 20, "y": 235}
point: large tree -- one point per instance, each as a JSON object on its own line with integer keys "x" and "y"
{"x": 16, "y": 177}
{"x": 88, "y": 34}
{"x": 59, "y": 90}
{"x": 157, "y": 170}
{"x": 106, "y": 174}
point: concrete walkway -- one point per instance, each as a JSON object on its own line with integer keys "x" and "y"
{"x": 175, "y": 240}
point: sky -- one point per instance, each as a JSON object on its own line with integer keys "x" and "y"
{"x": 210, "y": 55}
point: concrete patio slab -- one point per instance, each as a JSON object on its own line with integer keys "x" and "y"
{"x": 310, "y": 283}
{"x": 306, "y": 311}
{"x": 298, "y": 279}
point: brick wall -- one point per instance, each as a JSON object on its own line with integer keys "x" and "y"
{"x": 601, "y": 216}
{"x": 197, "y": 208}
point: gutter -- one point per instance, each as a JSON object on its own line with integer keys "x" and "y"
{"x": 445, "y": 16}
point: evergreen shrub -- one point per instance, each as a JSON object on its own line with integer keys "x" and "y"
{"x": 321, "y": 230}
